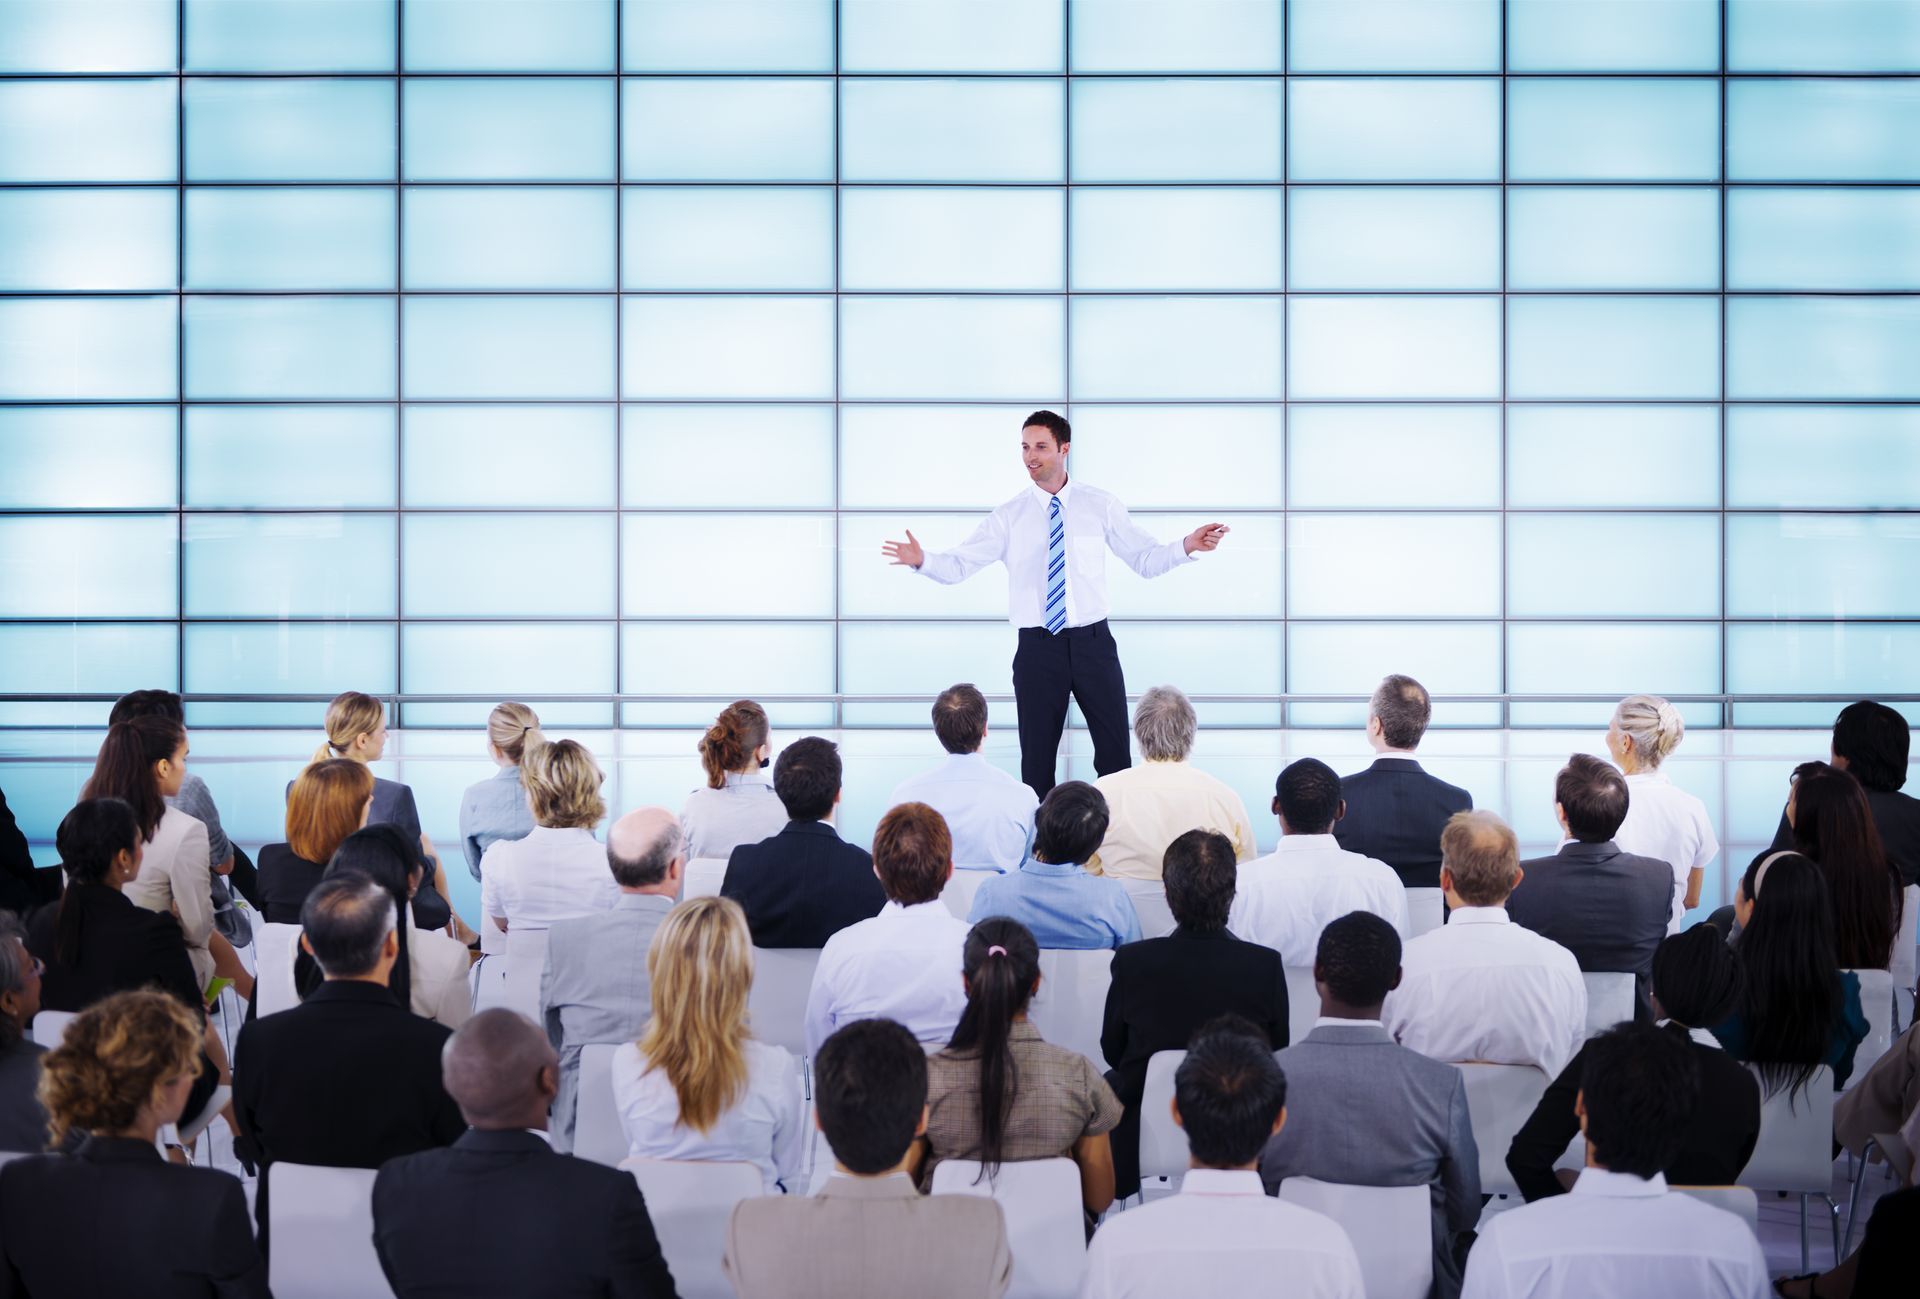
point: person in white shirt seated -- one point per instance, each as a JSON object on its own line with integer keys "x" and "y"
{"x": 1622, "y": 1231}
{"x": 738, "y": 804}
{"x": 1051, "y": 894}
{"x": 560, "y": 870}
{"x": 1222, "y": 1234}
{"x": 903, "y": 964}
{"x": 1481, "y": 988}
{"x": 988, "y": 812}
{"x": 1663, "y": 820}
{"x": 1284, "y": 900}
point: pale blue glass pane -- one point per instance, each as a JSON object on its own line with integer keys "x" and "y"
{"x": 1823, "y": 566}
{"x": 1176, "y": 36}
{"x": 507, "y": 660}
{"x": 726, "y": 659}
{"x": 289, "y": 566}
{"x": 290, "y": 35}
{"x": 533, "y": 565}
{"x": 95, "y": 36}
{"x": 1243, "y": 579}
{"x": 290, "y": 129}
{"x": 290, "y": 658}
{"x": 1613, "y": 238}
{"x": 1613, "y": 565}
{"x": 56, "y": 349}
{"x": 1653, "y": 457}
{"x": 1123, "y": 448}
{"x": 290, "y": 238}
{"x": 59, "y": 566}
{"x": 952, "y": 36}
{"x": 727, "y": 129}
{"x": 951, "y": 239}
{"x": 727, "y": 35}
{"x": 1226, "y": 658}
{"x": 88, "y": 130}
{"x": 87, "y": 239}
{"x": 775, "y": 456}
{"x": 508, "y": 129}
{"x": 87, "y": 457}
{"x": 508, "y": 35}
{"x": 1598, "y": 658}
{"x": 1815, "y": 715}
{"x": 1405, "y": 565}
{"x": 1394, "y": 130}
{"x": 920, "y": 659}
{"x": 509, "y": 238}
{"x": 668, "y": 560}
{"x": 1613, "y": 347}
{"x": 1823, "y": 347}
{"x": 1823, "y": 239}
{"x": 1167, "y": 130}
{"x": 979, "y": 458}
{"x": 1607, "y": 36}
{"x": 1613, "y": 130}
{"x": 972, "y": 130}
{"x": 1822, "y": 457}
{"x": 991, "y": 349}
{"x": 1176, "y": 239}
{"x": 872, "y": 588}
{"x": 1350, "y": 658}
{"x": 1822, "y": 36}
{"x": 1385, "y": 238}
{"x": 290, "y": 348}
{"x": 1393, "y": 347}
{"x": 524, "y": 347}
{"x": 1148, "y": 348}
{"x": 727, "y": 347}
{"x": 510, "y": 456}
{"x": 728, "y": 238}
{"x": 1807, "y": 130}
{"x": 1394, "y": 457}
{"x": 86, "y": 659}
{"x": 1860, "y": 659}
{"x": 289, "y": 457}
{"x": 1393, "y": 36}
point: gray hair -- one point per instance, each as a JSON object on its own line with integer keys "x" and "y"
{"x": 13, "y": 971}
{"x": 1653, "y": 724}
{"x": 1164, "y": 724}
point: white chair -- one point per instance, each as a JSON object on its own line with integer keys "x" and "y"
{"x": 596, "y": 1122}
{"x": 1500, "y": 1097}
{"x": 1741, "y": 1202}
{"x": 1071, "y": 1006}
{"x": 1609, "y": 1000}
{"x": 958, "y": 894}
{"x": 1046, "y": 1231}
{"x": 690, "y": 1204}
{"x": 1149, "y": 898}
{"x": 704, "y": 877}
{"x": 1426, "y": 909}
{"x": 1391, "y": 1228}
{"x": 274, "y": 950}
{"x": 1904, "y": 957}
{"x": 777, "y": 1002}
{"x": 321, "y": 1223}
{"x": 1794, "y": 1154}
{"x": 1163, "y": 1143}
{"x": 49, "y": 1026}
{"x": 1303, "y": 1003}
{"x": 510, "y": 979}
{"x": 1876, "y": 1002}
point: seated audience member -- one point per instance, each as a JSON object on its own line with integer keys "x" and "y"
{"x": 806, "y": 883}
{"x": 1285, "y": 900}
{"x": 1481, "y": 987}
{"x": 1222, "y": 1234}
{"x": 903, "y": 964}
{"x": 1621, "y": 1231}
{"x": 1395, "y": 810}
{"x": 23, "y": 1123}
{"x": 1881, "y": 1268}
{"x": 1696, "y": 981}
{"x": 1051, "y": 894}
{"x": 20, "y": 881}
{"x": 1871, "y": 743}
{"x": 496, "y": 808}
{"x": 1663, "y": 821}
{"x": 559, "y": 871}
{"x": 1833, "y": 828}
{"x": 738, "y": 805}
{"x": 1608, "y": 907}
{"x": 430, "y": 976}
{"x": 1886, "y": 1099}
{"x": 988, "y": 812}
{"x": 499, "y": 1214}
{"x": 869, "y": 1233}
{"x": 595, "y": 988}
{"x": 1151, "y": 805}
{"x": 1365, "y": 1111}
{"x": 1165, "y": 988}
{"x": 326, "y": 803}
{"x": 114, "y": 1217}
{"x": 1797, "y": 1010}
{"x": 696, "y": 1085}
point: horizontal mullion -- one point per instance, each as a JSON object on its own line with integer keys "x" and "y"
{"x": 960, "y": 401}
{"x": 939, "y": 511}
{"x": 656, "y": 294}
{"x": 897, "y": 74}
{"x": 580, "y": 620}
{"x": 826, "y": 183}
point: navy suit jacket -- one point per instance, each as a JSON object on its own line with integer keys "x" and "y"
{"x": 802, "y": 886}
{"x": 1609, "y": 908}
{"x": 1395, "y": 812}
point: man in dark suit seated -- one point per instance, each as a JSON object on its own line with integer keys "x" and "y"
{"x": 1165, "y": 988}
{"x": 805, "y": 884}
{"x": 1395, "y": 810}
{"x": 1609, "y": 908}
{"x": 499, "y": 1213}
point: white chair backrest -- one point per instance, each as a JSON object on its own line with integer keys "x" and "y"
{"x": 596, "y": 1124}
{"x": 1609, "y": 1000}
{"x": 1500, "y": 1097}
{"x": 777, "y": 1002}
{"x": 1303, "y": 1003}
{"x": 49, "y": 1026}
{"x": 1072, "y": 1002}
{"x": 1163, "y": 1143}
{"x": 1149, "y": 898}
{"x": 525, "y": 960}
{"x": 958, "y": 894}
{"x": 1795, "y": 1149}
{"x": 1426, "y": 909}
{"x": 274, "y": 949}
{"x": 1737, "y": 1200}
{"x": 1904, "y": 956}
{"x": 690, "y": 1204}
{"x": 1391, "y": 1228}
{"x": 1876, "y": 1002}
{"x": 1046, "y": 1230}
{"x": 321, "y": 1223}
{"x": 704, "y": 877}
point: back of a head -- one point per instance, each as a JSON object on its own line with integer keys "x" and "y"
{"x": 1230, "y": 1091}
{"x": 700, "y": 967}
{"x": 492, "y": 1068}
{"x": 1164, "y": 723}
{"x": 1640, "y": 1088}
{"x": 1070, "y": 823}
{"x": 1308, "y": 792}
{"x": 1001, "y": 962}
{"x": 513, "y": 729}
{"x": 912, "y": 853}
{"x": 1358, "y": 959}
{"x": 112, "y": 1058}
{"x": 870, "y": 1091}
{"x": 641, "y": 846}
{"x": 960, "y": 718}
{"x": 91, "y": 835}
{"x": 123, "y": 769}
{"x": 1833, "y": 825}
{"x": 324, "y": 807}
{"x": 1200, "y": 873}
{"x": 1874, "y": 740}
{"x": 806, "y": 777}
{"x": 1791, "y": 994}
{"x": 350, "y": 715}
{"x": 346, "y": 920}
{"x": 16, "y": 969}
{"x": 563, "y": 785}
{"x": 1481, "y": 853}
{"x": 1593, "y": 795}
{"x": 1696, "y": 977}
{"x": 1404, "y": 709}
{"x": 147, "y": 703}
{"x": 1654, "y": 725}
{"x": 729, "y": 744}
{"x": 382, "y": 853}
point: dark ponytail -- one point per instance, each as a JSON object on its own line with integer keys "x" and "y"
{"x": 1791, "y": 998}
{"x": 124, "y": 767}
{"x": 90, "y": 836}
{"x": 388, "y": 856}
{"x": 1002, "y": 965}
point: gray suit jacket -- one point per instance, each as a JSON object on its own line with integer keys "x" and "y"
{"x": 865, "y": 1238}
{"x": 595, "y": 989}
{"x": 1366, "y": 1111}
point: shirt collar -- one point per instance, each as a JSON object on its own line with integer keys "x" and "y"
{"x": 1648, "y": 778}
{"x": 1599, "y": 1181}
{"x": 1479, "y": 916}
{"x": 508, "y": 773}
{"x": 1404, "y": 755}
{"x": 737, "y": 779}
{"x": 1034, "y": 866}
{"x": 1065, "y": 493}
{"x": 1221, "y": 1181}
{"x": 1335, "y": 1021}
{"x": 1306, "y": 843}
{"x": 916, "y": 912}
{"x": 643, "y": 902}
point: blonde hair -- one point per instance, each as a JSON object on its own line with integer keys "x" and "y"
{"x": 729, "y": 743}
{"x": 563, "y": 785}
{"x": 701, "y": 968}
{"x": 115, "y": 1055}
{"x": 513, "y": 729}
{"x": 1654, "y": 726}
{"x": 349, "y": 716}
{"x": 323, "y": 806}
{"x": 1480, "y": 852}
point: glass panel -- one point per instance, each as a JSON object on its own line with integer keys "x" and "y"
{"x": 508, "y": 129}
{"x": 535, "y": 565}
{"x": 1822, "y": 347}
{"x": 509, "y": 347}
{"x": 88, "y": 130}
{"x": 509, "y": 456}
{"x": 727, "y": 347}
{"x": 1004, "y": 349}
{"x": 1176, "y": 36}
{"x": 1822, "y": 457}
{"x": 504, "y": 660}
{"x": 1193, "y": 239}
{"x": 1393, "y": 347}
{"x": 68, "y": 239}
{"x": 294, "y": 348}
{"x": 1592, "y": 238}
{"x": 1231, "y": 658}
{"x": 728, "y": 659}
{"x": 1394, "y": 130}
{"x": 58, "y": 566}
{"x": 1651, "y": 457}
{"x": 1613, "y": 347}
{"x": 499, "y": 238}
{"x": 920, "y": 659}
{"x": 1393, "y": 36}
{"x": 1169, "y": 130}
{"x": 290, "y": 239}
{"x": 1858, "y": 659}
{"x": 1822, "y": 36}
{"x": 1823, "y": 239}
{"x": 281, "y": 457}
{"x": 950, "y": 239}
{"x": 870, "y": 587}
{"x": 101, "y": 36}
{"x": 1598, "y": 658}
{"x": 281, "y": 129}
{"x": 1385, "y": 238}
{"x": 290, "y": 35}
{"x": 1240, "y": 580}
{"x": 774, "y": 455}
{"x": 57, "y": 349}
{"x": 1124, "y": 449}
{"x": 1408, "y": 565}
{"x": 727, "y": 36}
{"x": 1350, "y": 658}
{"x": 1144, "y": 348}
{"x": 508, "y": 35}
{"x": 86, "y": 659}
{"x": 1392, "y": 457}
{"x": 1606, "y": 36}
{"x": 1806, "y": 130}
{"x": 290, "y": 658}
{"x": 87, "y": 457}
{"x": 1613, "y": 565}
{"x": 972, "y": 130}
{"x": 979, "y": 457}
{"x": 668, "y": 560}
{"x": 289, "y": 566}
{"x": 951, "y": 36}
{"x": 1613, "y": 130}
{"x": 1823, "y": 566}
{"x": 728, "y": 238}
{"x": 727, "y": 129}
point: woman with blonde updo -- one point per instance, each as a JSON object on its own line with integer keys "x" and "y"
{"x": 1663, "y": 820}
{"x": 496, "y": 808}
{"x": 738, "y": 805}
{"x": 559, "y": 871}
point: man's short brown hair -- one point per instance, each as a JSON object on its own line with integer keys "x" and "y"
{"x": 912, "y": 853}
{"x": 960, "y": 718}
{"x": 1482, "y": 855}
{"x": 1594, "y": 797}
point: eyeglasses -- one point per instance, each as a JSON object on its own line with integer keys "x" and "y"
{"x": 39, "y": 967}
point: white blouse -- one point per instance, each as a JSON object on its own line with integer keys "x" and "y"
{"x": 175, "y": 876}
{"x": 764, "y": 1127}
{"x": 744, "y": 810}
{"x": 1665, "y": 822}
{"x": 550, "y": 875}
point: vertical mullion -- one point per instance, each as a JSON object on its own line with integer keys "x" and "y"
{"x": 1506, "y": 698}
{"x": 1286, "y": 388}
{"x": 180, "y": 345}
{"x": 619, "y": 412}
{"x": 1726, "y": 701}
{"x": 839, "y": 703}
{"x": 399, "y": 362}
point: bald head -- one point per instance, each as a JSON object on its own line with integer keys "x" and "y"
{"x": 644, "y": 851}
{"x": 501, "y": 1070}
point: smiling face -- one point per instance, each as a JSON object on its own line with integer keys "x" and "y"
{"x": 1045, "y": 459}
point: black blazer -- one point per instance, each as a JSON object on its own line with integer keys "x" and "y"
{"x": 802, "y": 886}
{"x": 286, "y": 878}
{"x": 114, "y": 1218}
{"x": 1395, "y": 812}
{"x": 1718, "y": 1140}
{"x": 19, "y": 888}
{"x": 1609, "y": 908}
{"x": 123, "y": 947}
{"x": 1896, "y": 816}
{"x": 528, "y": 1221}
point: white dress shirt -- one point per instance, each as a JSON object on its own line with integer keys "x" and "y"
{"x": 764, "y": 1127}
{"x": 989, "y": 813}
{"x": 1616, "y": 1234}
{"x": 550, "y": 875}
{"x": 743, "y": 810}
{"x": 903, "y": 965}
{"x": 1016, "y": 535}
{"x": 1221, "y": 1235}
{"x": 1665, "y": 822}
{"x": 1481, "y": 988}
{"x": 1284, "y": 900}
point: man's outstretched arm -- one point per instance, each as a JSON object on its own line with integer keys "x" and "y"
{"x": 986, "y": 544}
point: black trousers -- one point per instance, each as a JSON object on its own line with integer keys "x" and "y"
{"x": 1081, "y": 663}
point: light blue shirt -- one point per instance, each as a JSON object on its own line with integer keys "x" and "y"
{"x": 493, "y": 810}
{"x": 988, "y": 812}
{"x": 1063, "y": 905}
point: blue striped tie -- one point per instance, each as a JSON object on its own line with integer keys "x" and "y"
{"x": 1056, "y": 612}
